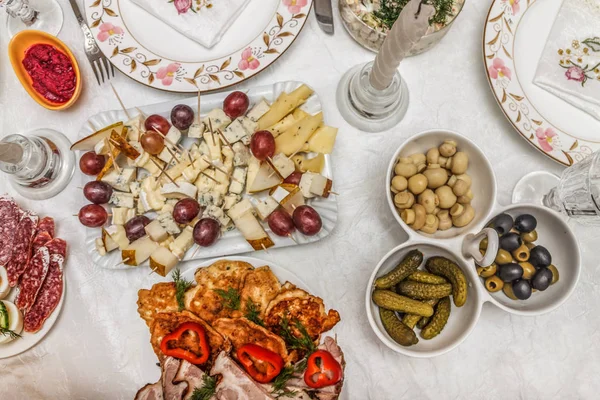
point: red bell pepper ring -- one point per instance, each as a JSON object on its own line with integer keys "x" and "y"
{"x": 263, "y": 365}
{"x": 184, "y": 354}
{"x": 322, "y": 370}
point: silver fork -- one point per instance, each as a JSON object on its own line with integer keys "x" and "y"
{"x": 99, "y": 62}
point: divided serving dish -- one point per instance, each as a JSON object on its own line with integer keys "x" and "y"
{"x": 461, "y": 246}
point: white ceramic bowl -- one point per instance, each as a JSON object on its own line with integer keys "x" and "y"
{"x": 480, "y": 170}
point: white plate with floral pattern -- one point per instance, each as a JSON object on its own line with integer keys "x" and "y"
{"x": 154, "y": 54}
{"x": 514, "y": 37}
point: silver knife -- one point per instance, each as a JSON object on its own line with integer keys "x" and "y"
{"x": 324, "y": 14}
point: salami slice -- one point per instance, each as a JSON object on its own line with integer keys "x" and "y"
{"x": 9, "y": 220}
{"x": 47, "y": 225}
{"x": 32, "y": 279}
{"x": 40, "y": 239}
{"x": 52, "y": 289}
{"x": 22, "y": 247}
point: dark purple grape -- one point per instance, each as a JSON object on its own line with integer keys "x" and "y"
{"x": 92, "y": 215}
{"x": 307, "y": 220}
{"x": 281, "y": 223}
{"x": 186, "y": 210}
{"x": 182, "y": 117}
{"x": 97, "y": 192}
{"x": 206, "y": 232}
{"x": 134, "y": 228}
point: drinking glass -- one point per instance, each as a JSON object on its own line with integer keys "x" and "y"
{"x": 576, "y": 193}
{"x": 42, "y": 15}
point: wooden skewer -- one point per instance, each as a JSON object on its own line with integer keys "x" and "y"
{"x": 337, "y": 194}
{"x": 141, "y": 112}
{"x": 189, "y": 157}
{"x": 291, "y": 237}
{"x": 166, "y": 174}
{"x": 210, "y": 125}
{"x": 197, "y": 247}
{"x": 224, "y": 139}
{"x": 173, "y": 156}
{"x": 162, "y": 171}
{"x": 120, "y": 101}
{"x": 112, "y": 157}
{"x": 293, "y": 154}
{"x": 153, "y": 271}
{"x": 198, "y": 105}
{"x": 209, "y": 177}
{"x": 264, "y": 248}
{"x": 169, "y": 141}
{"x": 221, "y": 170}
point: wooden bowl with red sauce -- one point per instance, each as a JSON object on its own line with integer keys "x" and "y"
{"x": 46, "y": 68}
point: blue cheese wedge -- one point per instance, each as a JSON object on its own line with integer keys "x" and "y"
{"x": 230, "y": 200}
{"x": 284, "y": 166}
{"x": 217, "y": 213}
{"x": 218, "y": 119}
{"x": 235, "y": 131}
{"x": 135, "y": 188}
{"x": 259, "y": 109}
{"x": 179, "y": 191}
{"x": 238, "y": 180}
{"x": 210, "y": 198}
{"x": 182, "y": 243}
{"x": 121, "y": 179}
{"x": 250, "y": 127}
{"x": 196, "y": 130}
{"x": 165, "y": 219}
{"x": 135, "y": 127}
{"x": 124, "y": 200}
{"x": 228, "y": 158}
{"x": 265, "y": 207}
{"x": 241, "y": 155}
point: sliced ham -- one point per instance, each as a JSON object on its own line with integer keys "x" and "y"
{"x": 152, "y": 391}
{"x": 9, "y": 220}
{"x": 171, "y": 391}
{"x": 21, "y": 247}
{"x": 235, "y": 383}
{"x": 51, "y": 291}
{"x": 191, "y": 375}
{"x": 47, "y": 225}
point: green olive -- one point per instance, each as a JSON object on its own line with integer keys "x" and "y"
{"x": 483, "y": 244}
{"x": 530, "y": 245}
{"x": 555, "y": 275}
{"x": 521, "y": 254}
{"x": 528, "y": 270}
{"x": 494, "y": 284}
{"x": 529, "y": 237}
{"x": 503, "y": 257}
{"x": 508, "y": 291}
{"x": 486, "y": 272}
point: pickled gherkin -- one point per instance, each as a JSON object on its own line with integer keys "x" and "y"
{"x": 397, "y": 330}
{"x": 438, "y": 320}
{"x": 395, "y": 302}
{"x": 407, "y": 266}
{"x": 424, "y": 291}
{"x": 451, "y": 271}
{"x": 426, "y": 277}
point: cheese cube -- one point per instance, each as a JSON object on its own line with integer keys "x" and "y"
{"x": 320, "y": 186}
{"x": 249, "y": 126}
{"x": 305, "y": 183}
{"x": 175, "y": 171}
{"x": 135, "y": 188}
{"x": 185, "y": 189}
{"x": 241, "y": 208}
{"x": 120, "y": 180}
{"x": 279, "y": 194}
{"x": 241, "y": 155}
{"x": 100, "y": 247}
{"x": 162, "y": 261}
{"x": 102, "y": 147}
{"x": 138, "y": 251}
{"x": 252, "y": 231}
{"x": 196, "y": 130}
{"x": 182, "y": 243}
{"x": 213, "y": 141}
{"x": 120, "y": 215}
{"x": 210, "y": 198}
{"x": 264, "y": 207}
{"x": 118, "y": 234}
{"x": 156, "y": 231}
{"x": 283, "y": 165}
{"x": 173, "y": 136}
{"x": 108, "y": 242}
{"x": 120, "y": 199}
{"x": 218, "y": 119}
{"x": 238, "y": 181}
{"x": 230, "y": 200}
{"x": 217, "y": 213}
{"x": 235, "y": 131}
{"x": 165, "y": 219}
{"x": 258, "y": 110}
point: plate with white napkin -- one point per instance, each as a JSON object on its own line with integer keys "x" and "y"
{"x": 542, "y": 60}
{"x": 191, "y": 45}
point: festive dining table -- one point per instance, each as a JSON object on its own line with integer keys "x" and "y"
{"x": 94, "y": 350}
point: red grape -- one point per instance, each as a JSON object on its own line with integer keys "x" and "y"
{"x": 281, "y": 223}
{"x": 294, "y": 178}
{"x": 91, "y": 163}
{"x": 236, "y": 104}
{"x": 157, "y": 122}
{"x": 97, "y": 192}
{"x": 152, "y": 142}
{"x": 206, "y": 232}
{"x": 134, "y": 228}
{"x": 186, "y": 210}
{"x": 307, "y": 220}
{"x": 92, "y": 215}
{"x": 262, "y": 145}
{"x": 182, "y": 116}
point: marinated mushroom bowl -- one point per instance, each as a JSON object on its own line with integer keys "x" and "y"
{"x": 440, "y": 185}
{"x": 461, "y": 319}
{"x": 559, "y": 255}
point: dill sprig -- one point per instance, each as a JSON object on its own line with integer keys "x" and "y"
{"x": 231, "y": 298}
{"x": 181, "y": 286}
{"x": 8, "y": 332}
{"x": 389, "y": 10}
{"x": 280, "y": 383}
{"x": 303, "y": 343}
{"x": 208, "y": 389}
{"x": 253, "y": 313}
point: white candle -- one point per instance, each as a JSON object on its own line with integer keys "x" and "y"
{"x": 411, "y": 25}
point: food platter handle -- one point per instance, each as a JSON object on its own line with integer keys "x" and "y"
{"x": 470, "y": 246}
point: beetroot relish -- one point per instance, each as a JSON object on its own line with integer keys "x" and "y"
{"x": 51, "y": 71}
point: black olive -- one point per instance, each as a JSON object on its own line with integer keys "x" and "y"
{"x": 510, "y": 272}
{"x": 525, "y": 223}
{"x": 521, "y": 289}
{"x": 540, "y": 257}
{"x": 510, "y": 241}
{"x": 503, "y": 223}
{"x": 542, "y": 279}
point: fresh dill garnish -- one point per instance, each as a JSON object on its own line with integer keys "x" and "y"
{"x": 231, "y": 298}
{"x": 253, "y": 313}
{"x": 303, "y": 343}
{"x": 280, "y": 383}
{"x": 8, "y": 332}
{"x": 181, "y": 286}
{"x": 389, "y": 10}
{"x": 207, "y": 391}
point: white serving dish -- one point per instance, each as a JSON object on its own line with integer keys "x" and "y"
{"x": 554, "y": 233}
{"x": 230, "y": 242}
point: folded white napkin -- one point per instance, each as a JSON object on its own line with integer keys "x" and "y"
{"x": 204, "y": 21}
{"x": 570, "y": 64}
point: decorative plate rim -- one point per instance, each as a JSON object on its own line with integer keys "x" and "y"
{"x": 501, "y": 24}
{"x": 152, "y": 70}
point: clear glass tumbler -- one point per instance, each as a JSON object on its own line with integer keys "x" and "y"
{"x": 42, "y": 15}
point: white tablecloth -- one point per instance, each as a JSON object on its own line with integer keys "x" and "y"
{"x": 93, "y": 352}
